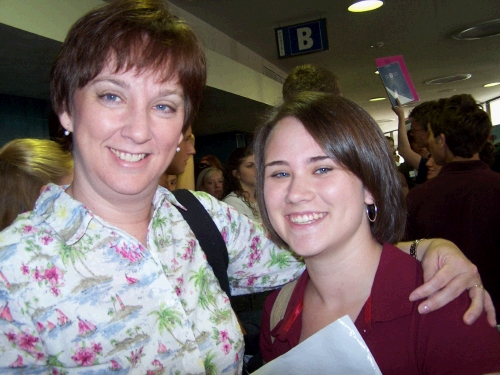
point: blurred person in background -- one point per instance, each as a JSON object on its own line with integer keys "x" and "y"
{"x": 239, "y": 183}
{"x": 26, "y": 166}
{"x": 211, "y": 181}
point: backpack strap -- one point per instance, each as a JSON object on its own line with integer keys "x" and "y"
{"x": 207, "y": 234}
{"x": 280, "y": 305}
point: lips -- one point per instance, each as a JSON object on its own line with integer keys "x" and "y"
{"x": 128, "y": 157}
{"x": 306, "y": 218}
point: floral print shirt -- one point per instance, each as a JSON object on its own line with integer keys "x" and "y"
{"x": 80, "y": 296}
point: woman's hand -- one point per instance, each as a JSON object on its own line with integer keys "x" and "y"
{"x": 447, "y": 273}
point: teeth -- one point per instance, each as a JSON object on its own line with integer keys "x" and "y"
{"x": 306, "y": 219}
{"x": 128, "y": 157}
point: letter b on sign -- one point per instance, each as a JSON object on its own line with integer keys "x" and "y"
{"x": 304, "y": 38}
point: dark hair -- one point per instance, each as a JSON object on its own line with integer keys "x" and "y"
{"x": 422, "y": 113}
{"x": 231, "y": 182}
{"x": 140, "y": 34}
{"x": 213, "y": 161}
{"x": 353, "y": 139}
{"x": 463, "y": 122}
{"x": 310, "y": 77}
{"x": 26, "y": 165}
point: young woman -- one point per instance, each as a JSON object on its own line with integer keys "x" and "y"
{"x": 239, "y": 183}
{"x": 330, "y": 193}
{"x": 211, "y": 181}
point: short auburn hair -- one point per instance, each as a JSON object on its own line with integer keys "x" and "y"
{"x": 350, "y": 137}
{"x": 140, "y": 34}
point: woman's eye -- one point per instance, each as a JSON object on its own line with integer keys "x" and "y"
{"x": 164, "y": 108}
{"x": 110, "y": 97}
{"x": 279, "y": 174}
{"x": 322, "y": 170}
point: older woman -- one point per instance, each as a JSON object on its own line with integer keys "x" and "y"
{"x": 106, "y": 274}
{"x": 330, "y": 193}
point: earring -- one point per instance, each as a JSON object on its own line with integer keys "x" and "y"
{"x": 66, "y": 132}
{"x": 177, "y": 149}
{"x": 371, "y": 212}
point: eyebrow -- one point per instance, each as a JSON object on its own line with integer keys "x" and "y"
{"x": 312, "y": 160}
{"x": 123, "y": 84}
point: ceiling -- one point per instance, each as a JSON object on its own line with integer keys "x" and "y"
{"x": 420, "y": 30}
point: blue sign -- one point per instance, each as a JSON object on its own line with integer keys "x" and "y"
{"x": 302, "y": 38}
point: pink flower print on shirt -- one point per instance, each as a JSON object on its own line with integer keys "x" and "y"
{"x": 53, "y": 275}
{"x": 223, "y": 336}
{"x": 224, "y": 235}
{"x": 11, "y": 336}
{"x": 97, "y": 348}
{"x": 27, "y": 342}
{"x": 18, "y": 362}
{"x": 115, "y": 366}
{"x": 132, "y": 253}
{"x": 25, "y": 269}
{"x": 226, "y": 347}
{"x": 178, "y": 291}
{"x": 84, "y": 357}
{"x": 135, "y": 357}
{"x": 5, "y": 313}
{"x": 251, "y": 281}
{"x": 37, "y": 275}
{"x": 29, "y": 229}
{"x": 189, "y": 253}
{"x": 46, "y": 240}
{"x": 131, "y": 280}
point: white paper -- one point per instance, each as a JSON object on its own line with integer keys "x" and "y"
{"x": 336, "y": 349}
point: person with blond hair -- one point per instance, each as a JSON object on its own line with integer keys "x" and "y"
{"x": 26, "y": 166}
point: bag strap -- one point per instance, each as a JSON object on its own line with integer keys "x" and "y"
{"x": 207, "y": 234}
{"x": 280, "y": 305}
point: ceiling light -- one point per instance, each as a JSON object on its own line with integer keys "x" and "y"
{"x": 492, "y": 84}
{"x": 449, "y": 79}
{"x": 483, "y": 30}
{"x": 377, "y": 72}
{"x": 384, "y": 120}
{"x": 365, "y": 6}
{"x": 376, "y": 99}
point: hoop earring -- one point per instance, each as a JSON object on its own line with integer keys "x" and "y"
{"x": 177, "y": 149}
{"x": 371, "y": 212}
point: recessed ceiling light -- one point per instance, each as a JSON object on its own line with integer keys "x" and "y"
{"x": 449, "y": 79}
{"x": 365, "y": 6}
{"x": 492, "y": 84}
{"x": 376, "y": 99}
{"x": 483, "y": 30}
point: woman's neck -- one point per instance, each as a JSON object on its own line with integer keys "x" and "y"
{"x": 131, "y": 214}
{"x": 249, "y": 192}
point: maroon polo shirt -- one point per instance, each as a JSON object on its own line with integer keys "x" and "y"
{"x": 401, "y": 340}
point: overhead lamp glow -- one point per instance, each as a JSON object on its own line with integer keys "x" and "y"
{"x": 492, "y": 84}
{"x": 365, "y": 6}
{"x": 376, "y": 99}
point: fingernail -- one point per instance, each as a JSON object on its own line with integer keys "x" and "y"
{"x": 425, "y": 310}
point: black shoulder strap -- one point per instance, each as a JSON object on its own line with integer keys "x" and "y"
{"x": 207, "y": 234}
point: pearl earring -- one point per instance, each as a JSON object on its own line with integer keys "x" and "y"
{"x": 66, "y": 132}
{"x": 177, "y": 149}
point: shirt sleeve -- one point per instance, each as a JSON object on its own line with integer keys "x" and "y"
{"x": 256, "y": 264}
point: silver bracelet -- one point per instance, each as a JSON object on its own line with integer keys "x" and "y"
{"x": 413, "y": 248}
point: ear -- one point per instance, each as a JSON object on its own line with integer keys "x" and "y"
{"x": 66, "y": 121}
{"x": 368, "y": 197}
{"x": 181, "y": 138}
{"x": 235, "y": 173}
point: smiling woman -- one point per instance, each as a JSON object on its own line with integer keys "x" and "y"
{"x": 331, "y": 193}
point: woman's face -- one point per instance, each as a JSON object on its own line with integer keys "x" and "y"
{"x": 126, "y": 127}
{"x": 432, "y": 168}
{"x": 314, "y": 204}
{"x": 213, "y": 184}
{"x": 246, "y": 172}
